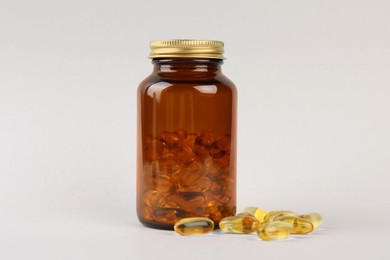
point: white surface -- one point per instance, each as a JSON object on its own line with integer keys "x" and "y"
{"x": 314, "y": 87}
{"x": 85, "y": 241}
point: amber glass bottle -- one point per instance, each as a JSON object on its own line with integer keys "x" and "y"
{"x": 186, "y": 164}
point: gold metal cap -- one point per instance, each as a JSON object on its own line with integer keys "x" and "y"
{"x": 186, "y": 49}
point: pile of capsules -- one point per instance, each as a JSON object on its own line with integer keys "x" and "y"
{"x": 187, "y": 174}
{"x": 274, "y": 225}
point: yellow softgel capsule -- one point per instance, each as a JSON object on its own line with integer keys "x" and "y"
{"x": 239, "y": 224}
{"x": 259, "y": 213}
{"x": 300, "y": 226}
{"x": 313, "y": 218}
{"x": 278, "y": 213}
{"x": 274, "y": 230}
{"x": 194, "y": 226}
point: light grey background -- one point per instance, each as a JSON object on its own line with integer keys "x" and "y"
{"x": 314, "y": 88}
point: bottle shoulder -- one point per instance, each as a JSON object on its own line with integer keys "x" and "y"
{"x": 154, "y": 83}
{"x": 226, "y": 81}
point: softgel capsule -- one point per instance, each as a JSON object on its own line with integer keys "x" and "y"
{"x": 239, "y": 224}
{"x": 313, "y": 218}
{"x": 274, "y": 230}
{"x": 299, "y": 225}
{"x": 194, "y": 226}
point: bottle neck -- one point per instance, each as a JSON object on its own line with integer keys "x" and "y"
{"x": 186, "y": 67}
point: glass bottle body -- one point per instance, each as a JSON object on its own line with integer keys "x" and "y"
{"x": 186, "y": 150}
